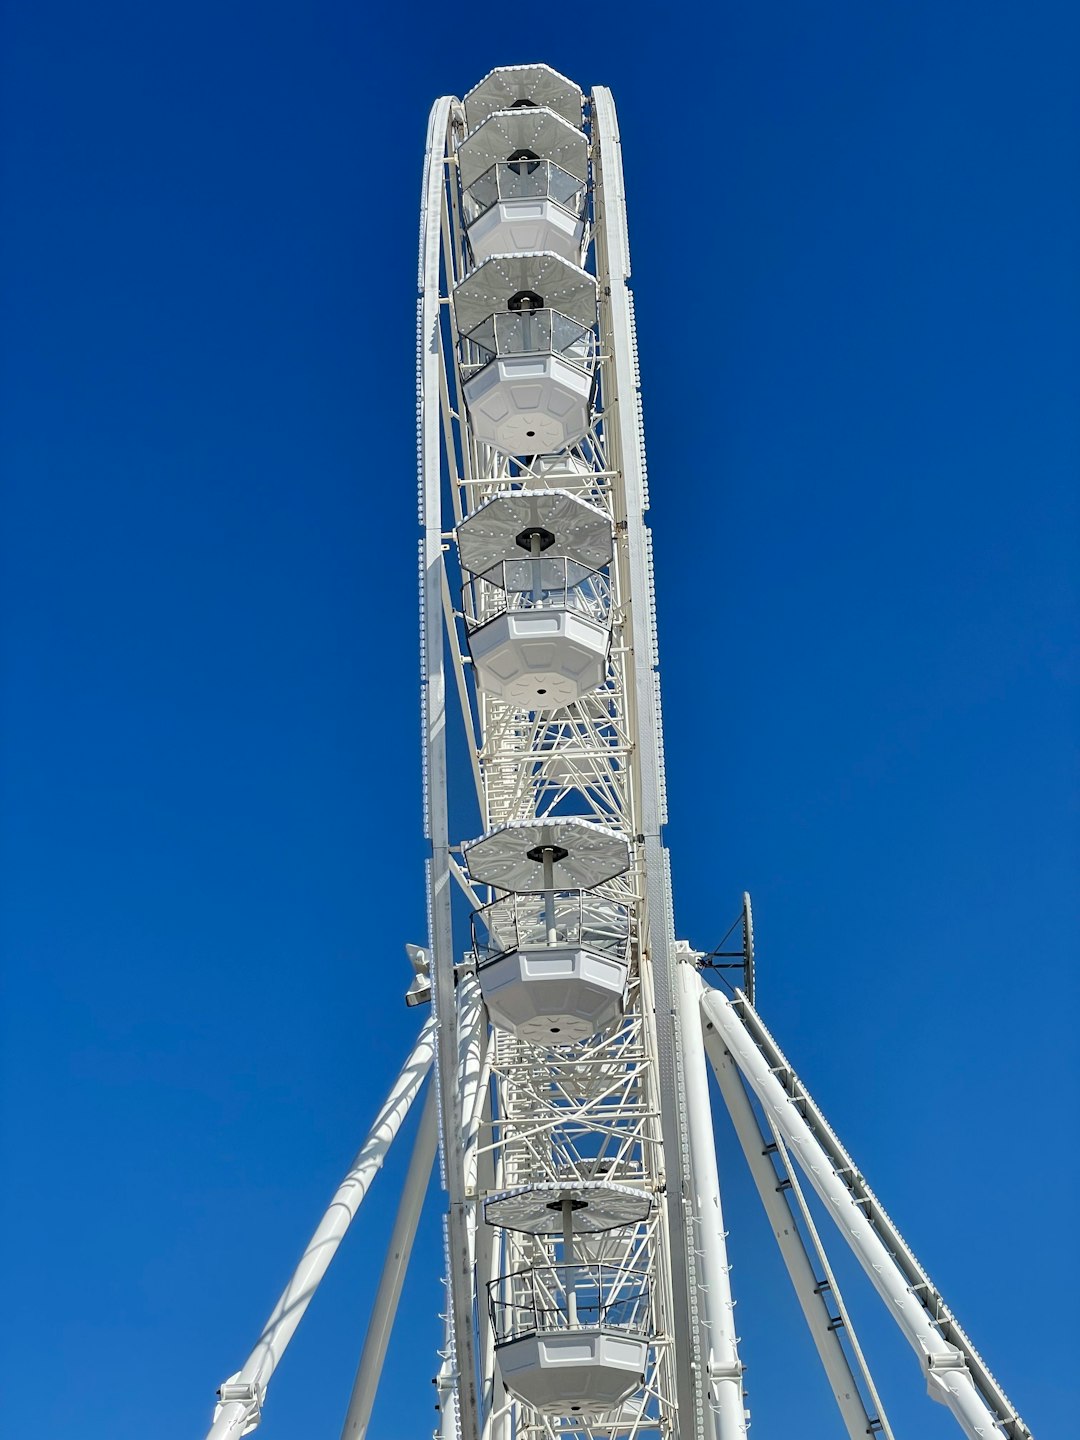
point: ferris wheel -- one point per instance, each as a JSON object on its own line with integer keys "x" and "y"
{"x": 570, "y": 1034}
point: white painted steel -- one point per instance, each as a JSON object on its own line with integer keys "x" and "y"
{"x": 578, "y": 1371}
{"x": 531, "y": 401}
{"x": 473, "y": 1067}
{"x": 841, "y": 1322}
{"x": 489, "y": 1263}
{"x": 834, "y": 1361}
{"x": 537, "y": 224}
{"x": 593, "y": 855}
{"x": 243, "y": 1394}
{"x": 384, "y": 1309}
{"x": 578, "y": 530}
{"x": 947, "y": 1375}
{"x": 555, "y": 994}
{"x": 460, "y": 1370}
{"x": 542, "y": 658}
{"x": 468, "y": 1084}
{"x": 921, "y": 1285}
{"x": 480, "y": 1114}
{"x": 626, "y": 452}
{"x": 562, "y": 286}
{"x": 725, "y": 1370}
{"x": 539, "y": 129}
{"x": 608, "y": 1102}
{"x": 446, "y": 1384}
{"x": 596, "y": 1206}
{"x": 507, "y": 86}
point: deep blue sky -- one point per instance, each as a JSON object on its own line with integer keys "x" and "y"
{"x": 855, "y": 232}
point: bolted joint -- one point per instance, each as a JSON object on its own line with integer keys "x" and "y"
{"x": 950, "y": 1360}
{"x": 247, "y": 1393}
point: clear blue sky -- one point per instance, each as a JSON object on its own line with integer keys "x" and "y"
{"x": 855, "y": 233}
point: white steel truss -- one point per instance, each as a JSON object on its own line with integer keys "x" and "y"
{"x": 609, "y": 1106}
{"x": 623, "y": 1114}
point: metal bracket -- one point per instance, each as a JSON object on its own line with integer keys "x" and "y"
{"x": 955, "y": 1361}
{"x": 246, "y": 1393}
{"x": 419, "y": 992}
{"x": 741, "y": 959}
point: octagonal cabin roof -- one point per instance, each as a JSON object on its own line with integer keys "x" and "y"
{"x": 560, "y": 285}
{"x": 547, "y": 134}
{"x": 491, "y": 535}
{"x": 511, "y": 86}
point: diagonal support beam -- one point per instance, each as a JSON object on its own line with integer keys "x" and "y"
{"x": 842, "y": 1320}
{"x": 949, "y": 1377}
{"x": 933, "y": 1302}
{"x": 242, "y": 1395}
{"x": 384, "y": 1310}
{"x": 721, "y": 1349}
{"x": 799, "y": 1267}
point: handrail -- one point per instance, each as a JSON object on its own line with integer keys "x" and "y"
{"x": 547, "y": 1298}
{"x": 540, "y": 582}
{"x": 543, "y": 331}
{"x": 580, "y": 917}
{"x": 524, "y": 180}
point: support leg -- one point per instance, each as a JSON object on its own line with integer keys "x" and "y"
{"x": 830, "y": 1351}
{"x": 242, "y": 1395}
{"x": 722, "y": 1353}
{"x": 446, "y": 1384}
{"x": 948, "y": 1377}
{"x": 494, "y": 1404}
{"x": 393, "y": 1276}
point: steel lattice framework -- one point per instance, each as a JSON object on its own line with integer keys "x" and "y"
{"x": 583, "y": 1225}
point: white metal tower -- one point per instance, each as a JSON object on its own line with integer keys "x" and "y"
{"x": 570, "y": 1033}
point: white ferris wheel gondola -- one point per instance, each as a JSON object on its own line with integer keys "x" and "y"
{"x": 556, "y": 974}
{"x": 524, "y": 185}
{"x": 528, "y": 351}
{"x": 540, "y": 603}
{"x": 573, "y": 1336}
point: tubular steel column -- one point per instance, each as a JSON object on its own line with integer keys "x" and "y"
{"x": 803, "y": 1277}
{"x": 243, "y": 1393}
{"x": 722, "y": 1350}
{"x": 429, "y": 427}
{"x": 948, "y": 1377}
{"x": 384, "y": 1310}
